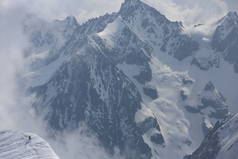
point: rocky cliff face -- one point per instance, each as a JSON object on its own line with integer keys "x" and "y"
{"x": 225, "y": 38}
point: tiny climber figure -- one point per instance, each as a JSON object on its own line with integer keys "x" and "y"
{"x": 28, "y": 140}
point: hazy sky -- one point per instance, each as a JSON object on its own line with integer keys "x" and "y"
{"x": 232, "y": 4}
{"x": 188, "y": 11}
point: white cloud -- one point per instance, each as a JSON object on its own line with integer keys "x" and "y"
{"x": 12, "y": 43}
{"x": 191, "y": 12}
{"x": 71, "y": 145}
{"x": 232, "y": 4}
{"x": 82, "y": 9}
{"x": 188, "y": 11}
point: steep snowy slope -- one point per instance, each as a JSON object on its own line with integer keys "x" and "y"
{"x": 208, "y": 63}
{"x": 16, "y": 145}
{"x": 220, "y": 143}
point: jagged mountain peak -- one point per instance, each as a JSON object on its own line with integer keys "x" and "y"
{"x": 232, "y": 15}
{"x": 225, "y": 38}
{"x": 129, "y": 3}
{"x": 68, "y": 22}
{"x": 71, "y": 20}
{"x": 131, "y": 7}
{"x": 229, "y": 20}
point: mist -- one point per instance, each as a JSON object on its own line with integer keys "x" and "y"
{"x": 12, "y": 44}
{"x": 16, "y": 112}
{"x": 15, "y": 107}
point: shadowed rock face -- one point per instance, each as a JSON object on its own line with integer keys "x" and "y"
{"x": 185, "y": 48}
{"x": 152, "y": 93}
{"x": 208, "y": 149}
{"x": 225, "y": 38}
{"x": 157, "y": 27}
{"x": 90, "y": 89}
{"x": 217, "y": 102}
{"x": 157, "y": 139}
{"x": 211, "y": 99}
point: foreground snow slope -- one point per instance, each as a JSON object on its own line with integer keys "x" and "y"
{"x": 16, "y": 145}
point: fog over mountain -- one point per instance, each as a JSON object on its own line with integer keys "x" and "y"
{"x": 118, "y": 79}
{"x": 184, "y": 10}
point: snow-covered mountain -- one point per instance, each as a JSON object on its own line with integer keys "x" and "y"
{"x": 17, "y": 145}
{"x": 220, "y": 143}
{"x": 139, "y": 81}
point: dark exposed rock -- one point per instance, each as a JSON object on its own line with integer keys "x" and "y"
{"x": 187, "y": 81}
{"x": 213, "y": 99}
{"x": 186, "y": 48}
{"x": 148, "y": 124}
{"x": 208, "y": 149}
{"x": 95, "y": 25}
{"x": 205, "y": 128}
{"x": 182, "y": 45}
{"x": 225, "y": 38}
{"x": 192, "y": 109}
{"x": 183, "y": 95}
{"x": 197, "y": 63}
{"x": 152, "y": 93}
{"x": 209, "y": 87}
{"x": 221, "y": 111}
{"x": 157, "y": 139}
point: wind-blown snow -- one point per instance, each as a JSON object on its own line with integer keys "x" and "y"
{"x": 112, "y": 31}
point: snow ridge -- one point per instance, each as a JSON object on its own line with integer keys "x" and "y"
{"x": 17, "y": 145}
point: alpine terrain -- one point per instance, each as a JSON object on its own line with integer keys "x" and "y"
{"x": 140, "y": 82}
